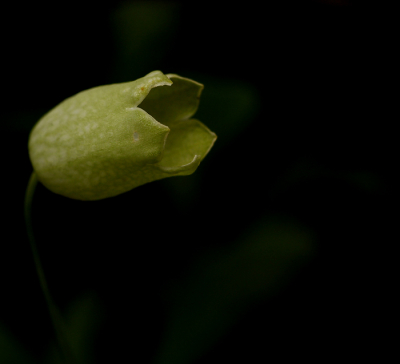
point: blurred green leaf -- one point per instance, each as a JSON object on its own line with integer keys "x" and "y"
{"x": 224, "y": 284}
{"x": 227, "y": 106}
{"x": 142, "y": 30}
{"x": 11, "y": 351}
{"x": 82, "y": 321}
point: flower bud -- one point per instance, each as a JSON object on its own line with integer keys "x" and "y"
{"x": 110, "y": 139}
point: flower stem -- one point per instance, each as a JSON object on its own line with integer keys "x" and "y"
{"x": 56, "y": 319}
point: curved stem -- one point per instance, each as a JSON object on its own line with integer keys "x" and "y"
{"x": 54, "y": 313}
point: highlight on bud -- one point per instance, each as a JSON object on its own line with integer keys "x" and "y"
{"x": 110, "y": 139}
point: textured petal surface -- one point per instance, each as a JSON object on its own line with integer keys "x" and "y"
{"x": 188, "y": 143}
{"x": 99, "y": 143}
{"x": 175, "y": 103}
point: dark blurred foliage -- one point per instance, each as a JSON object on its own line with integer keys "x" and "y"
{"x": 276, "y": 248}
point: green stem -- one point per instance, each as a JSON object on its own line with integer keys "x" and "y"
{"x": 54, "y": 313}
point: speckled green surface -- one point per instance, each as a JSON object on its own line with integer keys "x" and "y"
{"x": 110, "y": 139}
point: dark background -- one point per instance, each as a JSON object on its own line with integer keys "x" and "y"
{"x": 274, "y": 249}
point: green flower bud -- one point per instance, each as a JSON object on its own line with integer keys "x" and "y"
{"x": 110, "y": 139}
